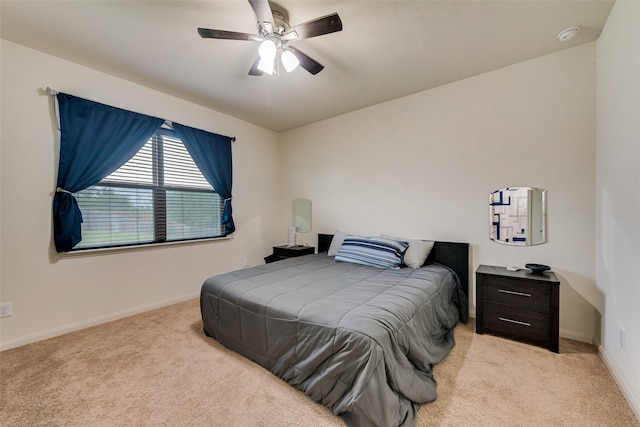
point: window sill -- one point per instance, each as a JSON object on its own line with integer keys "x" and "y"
{"x": 138, "y": 248}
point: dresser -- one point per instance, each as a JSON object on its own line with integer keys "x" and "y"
{"x": 518, "y": 305}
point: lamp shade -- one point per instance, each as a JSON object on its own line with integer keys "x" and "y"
{"x": 301, "y": 215}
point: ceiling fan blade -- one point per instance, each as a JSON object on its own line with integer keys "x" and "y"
{"x": 306, "y": 62}
{"x": 228, "y": 35}
{"x": 317, "y": 27}
{"x": 254, "y": 71}
{"x": 263, "y": 11}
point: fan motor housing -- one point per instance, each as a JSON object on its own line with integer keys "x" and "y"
{"x": 281, "y": 18}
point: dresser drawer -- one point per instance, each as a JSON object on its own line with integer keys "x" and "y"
{"x": 517, "y": 293}
{"x": 531, "y": 326}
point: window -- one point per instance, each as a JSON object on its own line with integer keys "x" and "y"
{"x": 159, "y": 195}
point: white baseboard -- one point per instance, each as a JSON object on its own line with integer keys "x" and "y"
{"x": 51, "y": 333}
{"x": 572, "y": 335}
{"x": 620, "y": 381}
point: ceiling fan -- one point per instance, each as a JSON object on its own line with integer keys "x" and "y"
{"x": 274, "y": 35}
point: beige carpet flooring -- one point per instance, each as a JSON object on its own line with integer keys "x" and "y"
{"x": 159, "y": 369}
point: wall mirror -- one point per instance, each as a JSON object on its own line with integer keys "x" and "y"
{"x": 301, "y": 215}
{"x": 518, "y": 216}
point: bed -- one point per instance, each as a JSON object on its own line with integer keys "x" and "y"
{"x": 360, "y": 340}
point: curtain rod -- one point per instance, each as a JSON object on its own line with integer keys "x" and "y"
{"x": 168, "y": 123}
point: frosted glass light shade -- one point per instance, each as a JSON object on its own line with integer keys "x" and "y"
{"x": 289, "y": 61}
{"x": 266, "y": 65}
{"x": 267, "y": 50}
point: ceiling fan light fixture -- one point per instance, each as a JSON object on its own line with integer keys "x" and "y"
{"x": 289, "y": 60}
{"x": 274, "y": 33}
{"x": 267, "y": 50}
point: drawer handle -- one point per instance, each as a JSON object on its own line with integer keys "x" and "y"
{"x": 522, "y": 294}
{"x": 504, "y": 319}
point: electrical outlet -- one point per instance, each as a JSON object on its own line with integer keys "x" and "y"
{"x": 623, "y": 339}
{"x": 6, "y": 309}
{"x": 246, "y": 262}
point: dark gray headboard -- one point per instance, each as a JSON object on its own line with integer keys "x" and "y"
{"x": 452, "y": 254}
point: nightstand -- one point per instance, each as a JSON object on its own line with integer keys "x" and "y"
{"x": 282, "y": 252}
{"x": 518, "y": 305}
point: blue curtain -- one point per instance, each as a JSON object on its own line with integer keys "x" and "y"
{"x": 96, "y": 139}
{"x": 212, "y": 154}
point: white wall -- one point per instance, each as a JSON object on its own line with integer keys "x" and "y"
{"x": 52, "y": 295}
{"x": 422, "y": 166}
{"x": 618, "y": 195}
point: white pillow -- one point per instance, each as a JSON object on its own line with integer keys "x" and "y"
{"x": 418, "y": 251}
{"x": 336, "y": 242}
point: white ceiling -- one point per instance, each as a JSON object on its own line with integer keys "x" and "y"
{"x": 386, "y": 50}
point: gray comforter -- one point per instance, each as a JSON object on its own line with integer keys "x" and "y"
{"x": 357, "y": 339}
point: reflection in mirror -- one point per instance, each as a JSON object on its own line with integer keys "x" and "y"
{"x": 301, "y": 215}
{"x": 518, "y": 215}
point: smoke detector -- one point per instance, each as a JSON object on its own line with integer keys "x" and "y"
{"x": 568, "y": 34}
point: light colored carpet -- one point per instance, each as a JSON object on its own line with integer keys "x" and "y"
{"x": 159, "y": 369}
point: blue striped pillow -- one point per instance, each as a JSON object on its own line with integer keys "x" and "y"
{"x": 372, "y": 251}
